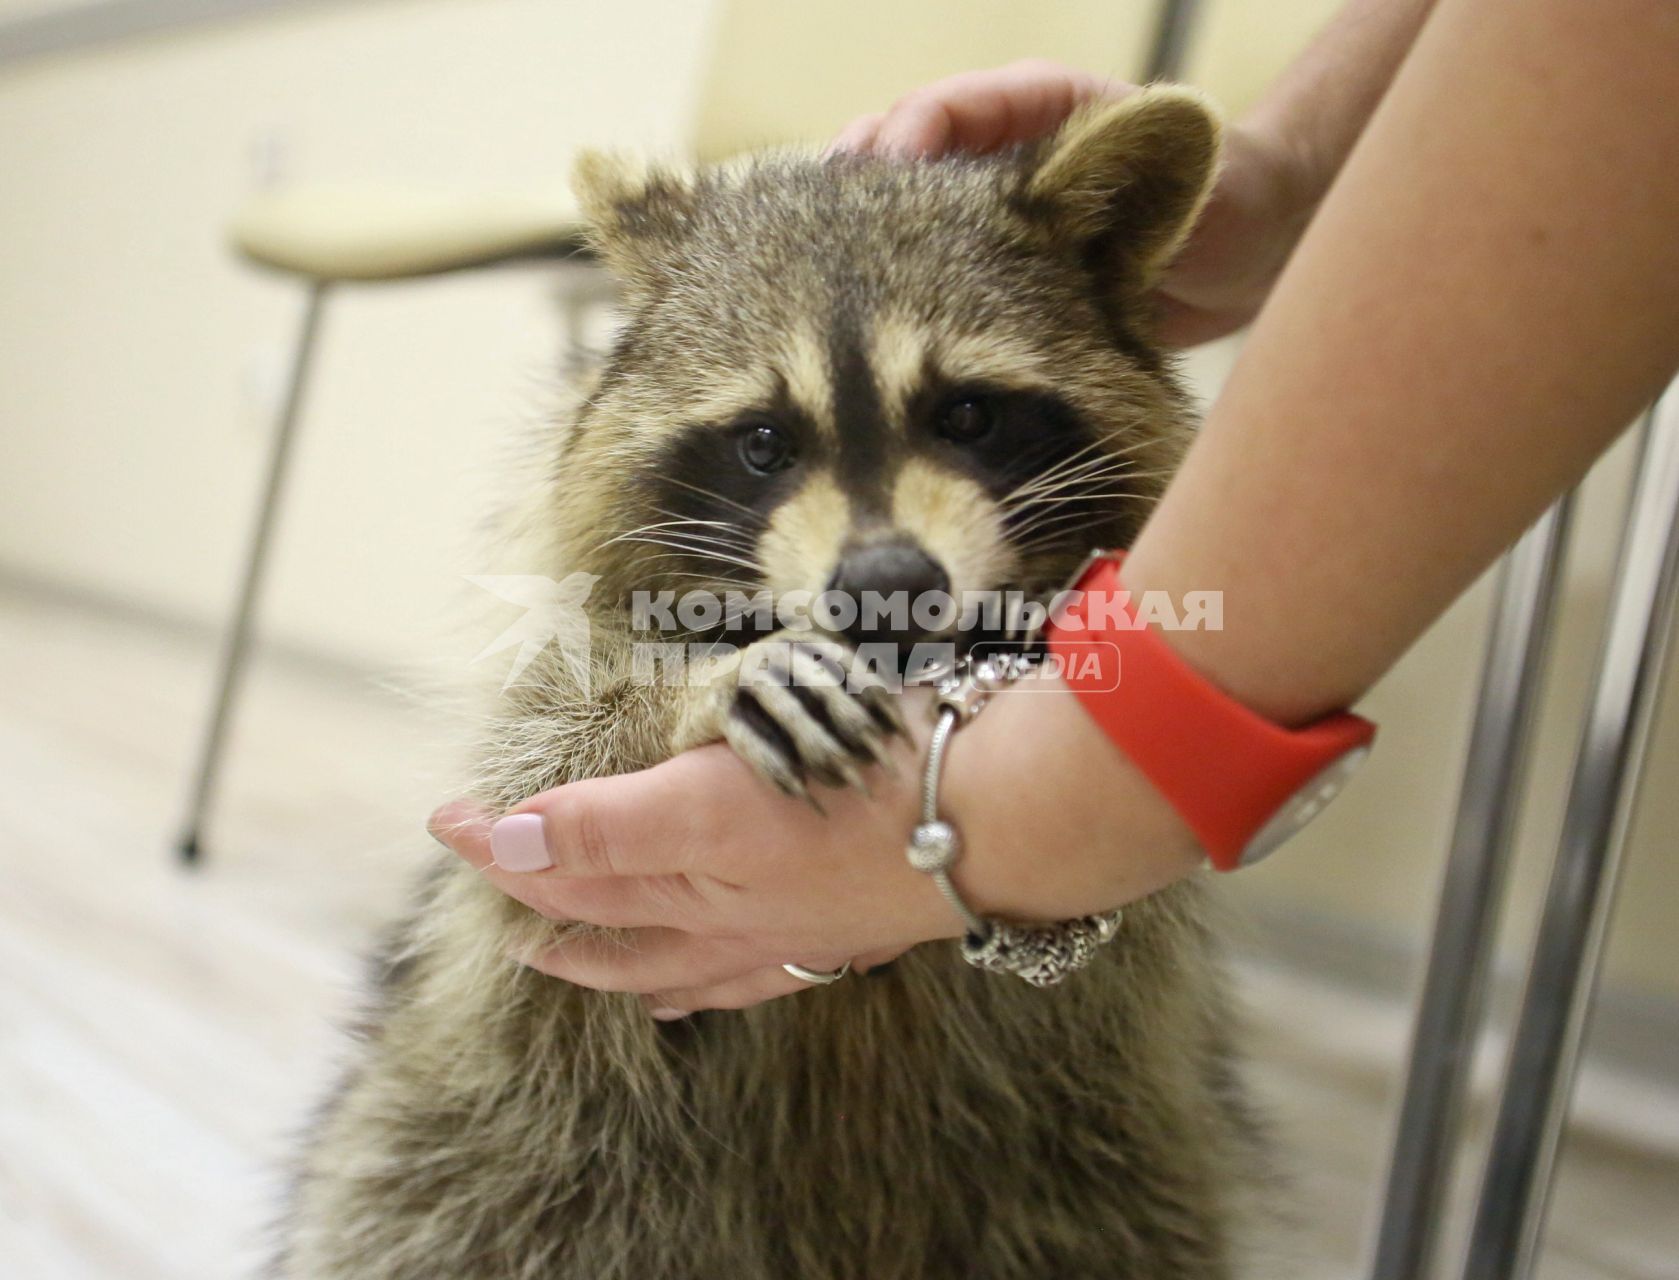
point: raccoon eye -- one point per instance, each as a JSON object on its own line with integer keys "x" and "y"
{"x": 966, "y": 420}
{"x": 765, "y": 449}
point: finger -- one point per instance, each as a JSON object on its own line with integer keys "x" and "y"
{"x": 464, "y": 828}
{"x": 1178, "y": 324}
{"x": 635, "y": 824}
{"x": 738, "y": 993}
{"x": 985, "y": 110}
{"x": 920, "y": 125}
{"x": 859, "y": 135}
{"x": 614, "y": 902}
{"x": 686, "y": 833}
{"x": 644, "y": 960}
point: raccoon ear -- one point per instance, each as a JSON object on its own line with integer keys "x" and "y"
{"x": 637, "y": 214}
{"x": 1124, "y": 181}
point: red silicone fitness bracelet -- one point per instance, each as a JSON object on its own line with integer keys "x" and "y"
{"x": 1243, "y": 783}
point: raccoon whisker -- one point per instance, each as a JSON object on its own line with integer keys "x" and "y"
{"x": 677, "y": 522}
{"x": 1068, "y": 486}
{"x": 1058, "y": 515}
{"x": 1092, "y": 487}
{"x": 1084, "y": 451}
{"x": 1081, "y": 489}
{"x": 679, "y": 549}
{"x": 1134, "y": 447}
{"x": 711, "y": 582}
{"x": 1068, "y": 540}
{"x": 1153, "y": 474}
{"x": 1066, "y": 489}
{"x": 694, "y": 551}
{"x": 680, "y": 522}
{"x": 702, "y": 577}
{"x": 677, "y": 536}
{"x": 1035, "y": 535}
{"x": 738, "y": 542}
{"x": 1045, "y": 539}
{"x": 675, "y": 518}
{"x": 693, "y": 539}
{"x": 1075, "y": 462}
{"x": 1092, "y": 471}
{"x": 1105, "y": 450}
{"x": 715, "y": 496}
{"x": 1085, "y": 495}
{"x": 1097, "y": 454}
{"x": 1050, "y": 519}
{"x": 691, "y": 553}
{"x": 699, "y": 542}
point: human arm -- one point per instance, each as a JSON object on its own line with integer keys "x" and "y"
{"x": 1485, "y": 298}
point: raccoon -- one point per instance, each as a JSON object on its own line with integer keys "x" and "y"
{"x": 832, "y": 369}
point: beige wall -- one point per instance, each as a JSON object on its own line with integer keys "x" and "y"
{"x": 1240, "y": 45}
{"x": 137, "y": 360}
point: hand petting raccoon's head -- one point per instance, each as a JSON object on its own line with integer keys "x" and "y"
{"x": 872, "y": 374}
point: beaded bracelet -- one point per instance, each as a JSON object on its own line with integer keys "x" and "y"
{"x": 1041, "y": 954}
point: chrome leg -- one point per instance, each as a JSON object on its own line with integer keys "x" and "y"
{"x": 576, "y": 299}
{"x": 237, "y": 640}
{"x": 582, "y": 289}
{"x": 1449, "y": 1013}
{"x": 1173, "y": 27}
{"x": 1545, "y": 1050}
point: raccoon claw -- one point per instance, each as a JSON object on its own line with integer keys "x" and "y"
{"x": 795, "y": 720}
{"x": 880, "y": 703}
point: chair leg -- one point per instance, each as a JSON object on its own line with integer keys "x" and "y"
{"x": 583, "y": 286}
{"x": 1449, "y": 1013}
{"x": 236, "y": 643}
{"x": 1562, "y": 976}
{"x": 1174, "y": 26}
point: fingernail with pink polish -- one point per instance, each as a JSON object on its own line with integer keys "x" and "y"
{"x": 669, "y": 1015}
{"x": 517, "y": 843}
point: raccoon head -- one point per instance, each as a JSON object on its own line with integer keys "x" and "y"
{"x": 873, "y": 375}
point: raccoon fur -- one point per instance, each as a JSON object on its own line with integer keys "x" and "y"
{"x": 831, "y": 367}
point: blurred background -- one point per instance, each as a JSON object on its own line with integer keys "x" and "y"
{"x": 161, "y": 1030}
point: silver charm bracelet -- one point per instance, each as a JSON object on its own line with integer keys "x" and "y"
{"x": 1042, "y": 954}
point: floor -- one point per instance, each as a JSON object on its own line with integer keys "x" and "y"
{"x": 161, "y": 1032}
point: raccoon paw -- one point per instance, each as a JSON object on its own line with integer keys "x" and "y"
{"x": 799, "y": 711}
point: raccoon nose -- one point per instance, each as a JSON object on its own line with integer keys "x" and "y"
{"x": 898, "y": 573}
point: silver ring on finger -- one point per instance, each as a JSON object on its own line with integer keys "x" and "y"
{"x": 817, "y": 977}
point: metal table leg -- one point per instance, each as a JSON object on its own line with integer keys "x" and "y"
{"x": 237, "y": 641}
{"x": 1449, "y": 1014}
{"x": 1545, "y": 1051}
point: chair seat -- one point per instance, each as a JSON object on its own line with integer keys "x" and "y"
{"x": 383, "y": 233}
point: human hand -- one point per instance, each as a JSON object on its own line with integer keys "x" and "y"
{"x": 1256, "y": 212}
{"x": 722, "y": 879}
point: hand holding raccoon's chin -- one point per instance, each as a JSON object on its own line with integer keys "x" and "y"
{"x": 723, "y": 878}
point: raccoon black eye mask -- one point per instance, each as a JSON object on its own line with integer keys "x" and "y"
{"x": 830, "y": 368}
{"x": 730, "y": 478}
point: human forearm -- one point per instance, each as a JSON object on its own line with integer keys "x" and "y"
{"x": 1487, "y": 295}
{"x": 1280, "y": 158}
{"x": 1316, "y": 110}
